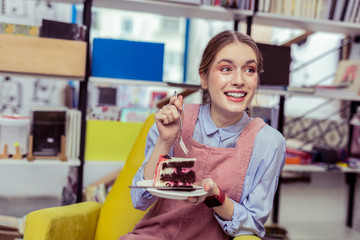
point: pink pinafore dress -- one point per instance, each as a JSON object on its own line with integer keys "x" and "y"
{"x": 173, "y": 219}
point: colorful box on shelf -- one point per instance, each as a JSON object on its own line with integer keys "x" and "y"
{"x": 112, "y": 58}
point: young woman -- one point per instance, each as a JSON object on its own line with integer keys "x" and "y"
{"x": 238, "y": 158}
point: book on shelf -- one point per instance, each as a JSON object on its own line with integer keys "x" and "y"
{"x": 73, "y": 128}
{"x": 357, "y": 15}
{"x": 237, "y": 4}
{"x": 11, "y": 227}
{"x": 339, "y": 10}
{"x": 355, "y": 140}
{"x": 193, "y": 2}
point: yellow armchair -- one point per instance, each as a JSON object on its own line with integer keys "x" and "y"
{"x": 92, "y": 220}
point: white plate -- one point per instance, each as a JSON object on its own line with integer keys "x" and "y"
{"x": 177, "y": 195}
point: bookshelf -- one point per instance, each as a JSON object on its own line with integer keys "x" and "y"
{"x": 51, "y": 59}
{"x": 313, "y": 25}
{"x": 45, "y": 58}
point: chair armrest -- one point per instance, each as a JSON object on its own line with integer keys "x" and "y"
{"x": 76, "y": 221}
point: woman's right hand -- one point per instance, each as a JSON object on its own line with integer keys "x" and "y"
{"x": 167, "y": 120}
{"x": 168, "y": 125}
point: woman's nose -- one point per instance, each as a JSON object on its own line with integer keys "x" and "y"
{"x": 237, "y": 79}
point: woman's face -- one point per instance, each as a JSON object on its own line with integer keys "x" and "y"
{"x": 231, "y": 82}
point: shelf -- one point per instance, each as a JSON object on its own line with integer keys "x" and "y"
{"x": 126, "y": 81}
{"x": 41, "y": 162}
{"x": 333, "y": 94}
{"x": 70, "y": 1}
{"x": 317, "y": 168}
{"x": 175, "y": 9}
{"x": 42, "y": 56}
{"x": 314, "y": 25}
{"x": 220, "y": 13}
{"x": 118, "y": 81}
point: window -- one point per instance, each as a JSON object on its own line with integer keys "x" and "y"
{"x": 127, "y": 26}
{"x": 170, "y": 25}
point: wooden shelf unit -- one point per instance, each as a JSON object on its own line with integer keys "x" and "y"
{"x": 42, "y": 56}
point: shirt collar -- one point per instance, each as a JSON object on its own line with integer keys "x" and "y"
{"x": 227, "y": 132}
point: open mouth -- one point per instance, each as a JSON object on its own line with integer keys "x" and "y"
{"x": 236, "y": 94}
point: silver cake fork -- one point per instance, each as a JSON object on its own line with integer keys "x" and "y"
{"x": 182, "y": 144}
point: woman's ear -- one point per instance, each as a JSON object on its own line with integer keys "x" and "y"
{"x": 203, "y": 81}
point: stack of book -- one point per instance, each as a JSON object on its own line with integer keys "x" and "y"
{"x": 338, "y": 10}
{"x": 238, "y": 4}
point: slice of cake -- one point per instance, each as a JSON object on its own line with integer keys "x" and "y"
{"x": 174, "y": 172}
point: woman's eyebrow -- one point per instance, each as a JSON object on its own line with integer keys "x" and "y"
{"x": 250, "y": 61}
{"x": 225, "y": 60}
{"x": 232, "y": 62}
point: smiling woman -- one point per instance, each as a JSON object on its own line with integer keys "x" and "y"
{"x": 217, "y": 44}
{"x": 236, "y": 162}
{"x": 230, "y": 76}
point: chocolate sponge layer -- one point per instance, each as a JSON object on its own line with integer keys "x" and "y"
{"x": 187, "y": 164}
{"x": 189, "y": 177}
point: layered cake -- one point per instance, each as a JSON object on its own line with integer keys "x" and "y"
{"x": 174, "y": 172}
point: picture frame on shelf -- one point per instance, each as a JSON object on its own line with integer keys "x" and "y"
{"x": 348, "y": 75}
{"x": 47, "y": 138}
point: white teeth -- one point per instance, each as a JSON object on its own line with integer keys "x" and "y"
{"x": 237, "y": 95}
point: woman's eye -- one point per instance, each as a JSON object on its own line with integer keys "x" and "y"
{"x": 250, "y": 70}
{"x": 225, "y": 69}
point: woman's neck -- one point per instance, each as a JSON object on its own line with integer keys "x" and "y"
{"x": 224, "y": 120}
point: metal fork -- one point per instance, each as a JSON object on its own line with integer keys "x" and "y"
{"x": 182, "y": 144}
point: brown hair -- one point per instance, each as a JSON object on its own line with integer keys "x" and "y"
{"x": 216, "y": 44}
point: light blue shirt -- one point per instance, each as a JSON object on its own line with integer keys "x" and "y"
{"x": 266, "y": 163}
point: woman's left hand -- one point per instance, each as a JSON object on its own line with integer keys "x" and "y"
{"x": 209, "y": 186}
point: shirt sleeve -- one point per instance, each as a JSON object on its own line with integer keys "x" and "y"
{"x": 140, "y": 197}
{"x": 266, "y": 163}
